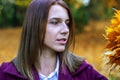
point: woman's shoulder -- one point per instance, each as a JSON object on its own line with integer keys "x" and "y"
{"x": 89, "y": 71}
{"x": 8, "y": 70}
{"x": 6, "y": 65}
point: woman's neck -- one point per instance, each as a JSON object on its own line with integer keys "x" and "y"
{"x": 47, "y": 62}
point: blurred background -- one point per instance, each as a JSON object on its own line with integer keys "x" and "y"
{"x": 91, "y": 18}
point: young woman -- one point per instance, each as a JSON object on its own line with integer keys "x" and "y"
{"x": 48, "y": 31}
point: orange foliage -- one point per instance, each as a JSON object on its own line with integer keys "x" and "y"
{"x": 113, "y": 38}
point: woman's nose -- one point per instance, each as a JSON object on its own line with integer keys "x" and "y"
{"x": 65, "y": 28}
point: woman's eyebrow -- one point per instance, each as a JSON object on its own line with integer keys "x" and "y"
{"x": 54, "y": 18}
{"x": 57, "y": 18}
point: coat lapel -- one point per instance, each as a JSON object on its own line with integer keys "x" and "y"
{"x": 36, "y": 75}
{"x": 64, "y": 74}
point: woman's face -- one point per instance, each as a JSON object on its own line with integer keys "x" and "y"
{"x": 57, "y": 30}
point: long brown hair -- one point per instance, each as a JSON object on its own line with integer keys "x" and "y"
{"x": 32, "y": 38}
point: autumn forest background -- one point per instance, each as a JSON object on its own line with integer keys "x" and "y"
{"x": 91, "y": 18}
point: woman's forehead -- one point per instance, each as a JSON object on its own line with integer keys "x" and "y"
{"x": 57, "y": 11}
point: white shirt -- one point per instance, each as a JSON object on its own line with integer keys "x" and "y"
{"x": 53, "y": 75}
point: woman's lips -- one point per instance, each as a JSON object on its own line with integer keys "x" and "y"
{"x": 62, "y": 41}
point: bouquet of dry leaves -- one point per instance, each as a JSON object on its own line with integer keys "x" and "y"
{"x": 112, "y": 35}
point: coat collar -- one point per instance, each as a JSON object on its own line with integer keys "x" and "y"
{"x": 10, "y": 68}
{"x": 67, "y": 75}
{"x": 81, "y": 68}
{"x": 64, "y": 74}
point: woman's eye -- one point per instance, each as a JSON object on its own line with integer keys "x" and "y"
{"x": 54, "y": 22}
{"x": 67, "y": 23}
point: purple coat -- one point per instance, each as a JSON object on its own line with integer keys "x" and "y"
{"x": 85, "y": 72}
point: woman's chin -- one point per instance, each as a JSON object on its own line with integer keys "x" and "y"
{"x": 60, "y": 49}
